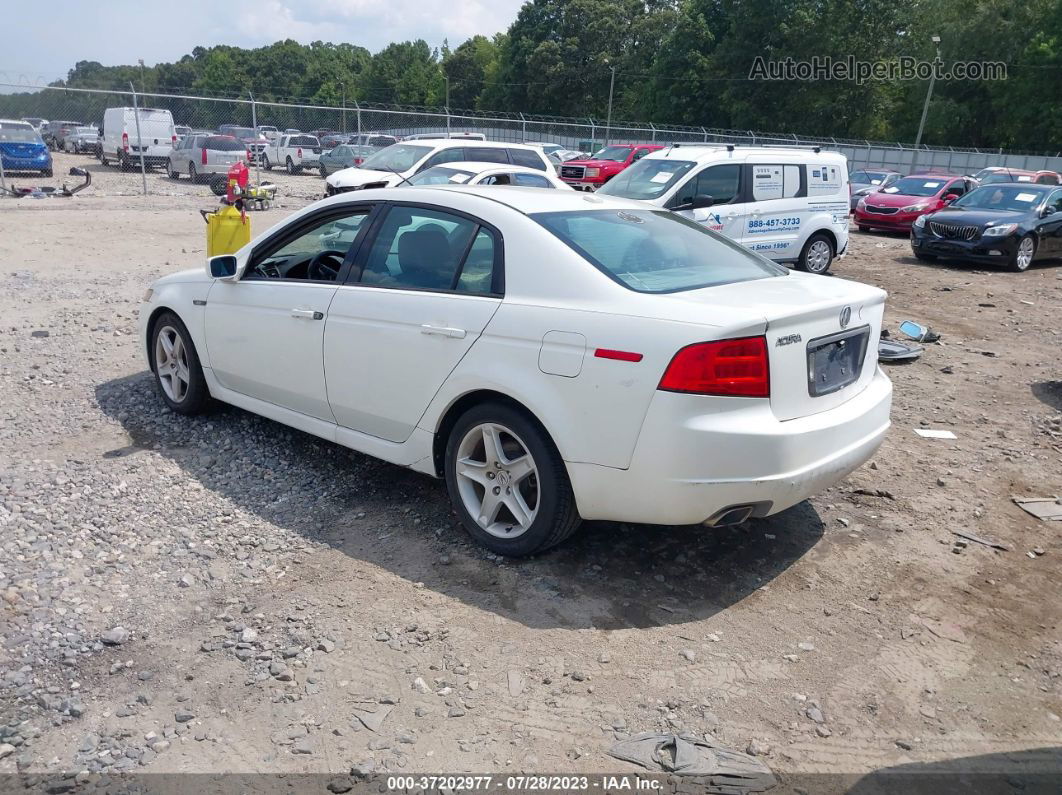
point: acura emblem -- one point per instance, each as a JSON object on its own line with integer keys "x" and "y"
{"x": 846, "y": 316}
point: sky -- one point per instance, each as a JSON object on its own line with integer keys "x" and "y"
{"x": 52, "y": 37}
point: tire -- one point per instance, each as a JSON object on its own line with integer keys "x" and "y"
{"x": 925, "y": 257}
{"x": 266, "y": 164}
{"x": 817, "y": 254}
{"x": 47, "y": 173}
{"x": 1023, "y": 254}
{"x": 192, "y": 175}
{"x": 545, "y": 491}
{"x": 324, "y": 173}
{"x": 103, "y": 159}
{"x": 290, "y": 166}
{"x": 174, "y": 173}
{"x": 123, "y": 161}
{"x": 179, "y": 376}
{"x": 863, "y": 228}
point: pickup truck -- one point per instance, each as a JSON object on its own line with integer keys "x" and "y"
{"x": 294, "y": 152}
{"x": 592, "y": 172}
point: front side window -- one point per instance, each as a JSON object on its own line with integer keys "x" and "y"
{"x": 497, "y": 179}
{"x": 655, "y": 251}
{"x": 428, "y": 249}
{"x": 315, "y": 253}
{"x": 722, "y": 183}
{"x": 1054, "y": 201}
{"x": 454, "y": 154}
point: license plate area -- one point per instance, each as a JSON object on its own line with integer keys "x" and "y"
{"x": 836, "y": 361}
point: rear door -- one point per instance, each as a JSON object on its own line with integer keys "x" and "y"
{"x": 1050, "y": 226}
{"x": 426, "y": 284}
{"x": 723, "y": 182}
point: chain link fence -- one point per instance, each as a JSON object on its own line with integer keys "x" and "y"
{"x": 586, "y": 135}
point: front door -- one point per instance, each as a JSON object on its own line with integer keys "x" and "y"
{"x": 421, "y": 293}
{"x": 1050, "y": 226}
{"x": 723, "y": 184}
{"x": 265, "y": 332}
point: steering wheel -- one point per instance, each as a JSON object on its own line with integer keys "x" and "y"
{"x": 325, "y": 271}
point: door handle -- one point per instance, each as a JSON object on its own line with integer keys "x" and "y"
{"x": 307, "y": 314}
{"x": 444, "y": 331}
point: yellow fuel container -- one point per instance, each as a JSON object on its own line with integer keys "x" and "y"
{"x": 228, "y": 231}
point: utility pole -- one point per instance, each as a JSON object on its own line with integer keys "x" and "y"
{"x": 344, "y": 87}
{"x": 141, "y": 62}
{"x": 447, "y": 79}
{"x": 925, "y": 107}
{"x": 611, "y": 88}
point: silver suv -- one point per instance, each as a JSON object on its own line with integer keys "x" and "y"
{"x": 198, "y": 155}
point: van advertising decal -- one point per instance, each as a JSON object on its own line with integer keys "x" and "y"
{"x": 824, "y": 181}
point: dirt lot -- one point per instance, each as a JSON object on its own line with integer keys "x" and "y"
{"x": 269, "y": 587}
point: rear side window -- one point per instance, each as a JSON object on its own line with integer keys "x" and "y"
{"x": 484, "y": 154}
{"x": 655, "y": 251}
{"x": 223, "y": 144}
{"x": 531, "y": 181}
{"x": 775, "y": 182}
{"x": 526, "y": 158}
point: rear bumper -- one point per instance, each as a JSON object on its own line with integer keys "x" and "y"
{"x": 692, "y": 462}
{"x": 26, "y": 163}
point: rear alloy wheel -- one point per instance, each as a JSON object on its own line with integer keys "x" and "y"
{"x": 1023, "y": 255}
{"x": 507, "y": 482}
{"x": 817, "y": 255}
{"x": 178, "y": 374}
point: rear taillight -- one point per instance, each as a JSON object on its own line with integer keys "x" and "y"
{"x": 204, "y": 156}
{"x": 125, "y": 141}
{"x": 173, "y": 140}
{"x": 734, "y": 368}
{"x": 298, "y": 153}
{"x": 357, "y": 161}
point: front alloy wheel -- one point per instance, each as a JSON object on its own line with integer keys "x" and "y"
{"x": 1023, "y": 255}
{"x": 176, "y": 364}
{"x": 507, "y": 481}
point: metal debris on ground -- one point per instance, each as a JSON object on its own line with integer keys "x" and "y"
{"x": 727, "y": 770}
{"x": 918, "y": 332}
{"x": 893, "y": 351}
{"x": 1047, "y": 508}
{"x": 929, "y": 433}
{"x": 979, "y": 540}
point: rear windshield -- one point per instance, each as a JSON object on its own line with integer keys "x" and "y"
{"x": 1005, "y": 176}
{"x": 1005, "y": 197}
{"x": 441, "y": 175}
{"x": 240, "y": 132}
{"x": 868, "y": 177}
{"x": 223, "y": 143}
{"x": 647, "y": 179}
{"x": 655, "y": 251}
{"x": 22, "y": 133}
{"x": 917, "y": 186}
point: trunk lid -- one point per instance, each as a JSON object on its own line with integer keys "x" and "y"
{"x": 800, "y": 315}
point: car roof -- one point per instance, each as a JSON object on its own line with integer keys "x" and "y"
{"x": 479, "y": 166}
{"x": 17, "y": 122}
{"x": 523, "y": 200}
{"x": 449, "y": 143}
{"x": 935, "y": 176}
{"x": 702, "y": 152}
{"x": 1022, "y": 185}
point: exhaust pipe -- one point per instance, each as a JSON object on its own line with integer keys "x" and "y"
{"x": 727, "y": 517}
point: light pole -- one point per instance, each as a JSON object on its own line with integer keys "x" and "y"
{"x": 142, "y": 86}
{"x": 446, "y": 77}
{"x": 611, "y": 88}
{"x": 925, "y": 107}
{"x": 343, "y": 86}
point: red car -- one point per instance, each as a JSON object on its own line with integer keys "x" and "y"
{"x": 897, "y": 206}
{"x": 593, "y": 172}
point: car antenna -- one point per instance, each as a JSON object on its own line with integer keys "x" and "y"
{"x": 399, "y": 176}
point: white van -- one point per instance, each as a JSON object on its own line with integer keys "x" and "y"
{"x": 789, "y": 204}
{"x": 121, "y": 144}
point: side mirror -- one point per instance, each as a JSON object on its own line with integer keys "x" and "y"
{"x": 698, "y": 202}
{"x": 950, "y": 198}
{"x": 223, "y": 267}
{"x": 1048, "y": 210}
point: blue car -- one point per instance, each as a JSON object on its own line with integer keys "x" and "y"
{"x": 21, "y": 148}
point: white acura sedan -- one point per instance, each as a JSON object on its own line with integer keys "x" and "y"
{"x": 554, "y": 356}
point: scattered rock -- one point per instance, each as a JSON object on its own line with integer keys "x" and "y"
{"x": 115, "y": 637}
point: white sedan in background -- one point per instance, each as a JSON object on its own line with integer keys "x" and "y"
{"x": 554, "y": 356}
{"x": 486, "y": 174}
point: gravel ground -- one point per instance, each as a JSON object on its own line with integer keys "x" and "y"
{"x": 224, "y": 594}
